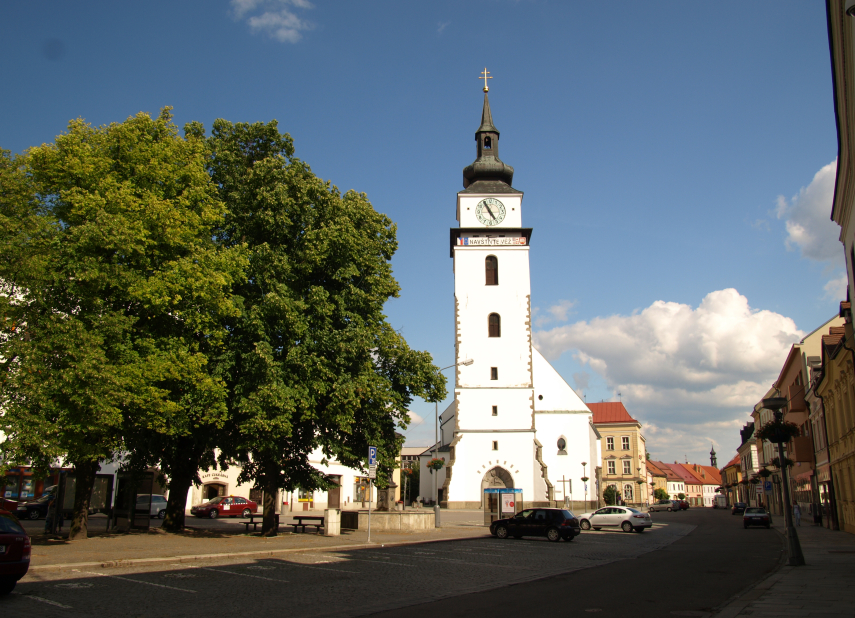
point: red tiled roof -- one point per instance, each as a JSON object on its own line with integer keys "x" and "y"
{"x": 610, "y": 412}
{"x": 654, "y": 469}
{"x": 732, "y": 462}
{"x": 669, "y": 473}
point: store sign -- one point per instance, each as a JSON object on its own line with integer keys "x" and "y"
{"x": 502, "y": 240}
{"x": 508, "y": 503}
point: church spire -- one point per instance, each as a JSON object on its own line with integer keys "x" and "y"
{"x": 713, "y": 461}
{"x": 487, "y": 174}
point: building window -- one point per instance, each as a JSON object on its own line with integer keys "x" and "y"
{"x": 494, "y": 373}
{"x": 626, "y": 466}
{"x": 611, "y": 467}
{"x": 610, "y": 444}
{"x": 624, "y": 443}
{"x": 488, "y": 143}
{"x": 495, "y": 325}
{"x": 495, "y": 410}
{"x": 495, "y": 445}
{"x": 627, "y": 492}
{"x": 491, "y": 267}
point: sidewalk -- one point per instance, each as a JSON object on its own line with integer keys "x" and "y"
{"x": 151, "y": 547}
{"x": 825, "y": 586}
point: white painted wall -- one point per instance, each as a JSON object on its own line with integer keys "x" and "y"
{"x": 512, "y": 202}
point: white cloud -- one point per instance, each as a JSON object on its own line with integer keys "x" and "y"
{"x": 808, "y": 219}
{"x": 274, "y": 18}
{"x": 442, "y": 26}
{"x": 697, "y": 372}
{"x": 556, "y": 313}
{"x": 835, "y": 289}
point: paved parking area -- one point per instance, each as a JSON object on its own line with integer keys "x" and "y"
{"x": 326, "y": 583}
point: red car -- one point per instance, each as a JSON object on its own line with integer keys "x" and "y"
{"x": 225, "y": 506}
{"x": 684, "y": 506}
{"x": 15, "y": 552}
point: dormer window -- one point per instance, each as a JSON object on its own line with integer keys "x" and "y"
{"x": 488, "y": 143}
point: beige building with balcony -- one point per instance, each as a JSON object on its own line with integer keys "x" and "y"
{"x": 624, "y": 452}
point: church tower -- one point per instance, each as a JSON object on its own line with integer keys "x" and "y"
{"x": 491, "y": 433}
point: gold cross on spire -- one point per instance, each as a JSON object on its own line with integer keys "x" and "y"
{"x": 485, "y": 75}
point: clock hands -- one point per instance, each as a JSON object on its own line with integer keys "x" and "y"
{"x": 487, "y": 206}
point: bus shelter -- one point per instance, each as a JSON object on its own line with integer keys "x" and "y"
{"x": 501, "y": 502}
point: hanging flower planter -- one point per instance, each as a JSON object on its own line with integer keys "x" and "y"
{"x": 765, "y": 473}
{"x": 787, "y": 462}
{"x": 435, "y": 464}
{"x": 778, "y": 431}
{"x": 755, "y": 481}
{"x": 408, "y": 472}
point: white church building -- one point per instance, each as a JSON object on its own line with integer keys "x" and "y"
{"x": 514, "y": 421}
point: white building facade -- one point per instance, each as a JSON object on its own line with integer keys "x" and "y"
{"x": 514, "y": 421}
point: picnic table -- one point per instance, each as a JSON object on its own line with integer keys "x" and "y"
{"x": 302, "y": 519}
{"x": 255, "y": 524}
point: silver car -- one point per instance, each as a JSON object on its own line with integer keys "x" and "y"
{"x": 664, "y": 505}
{"x": 157, "y": 507}
{"x": 623, "y": 517}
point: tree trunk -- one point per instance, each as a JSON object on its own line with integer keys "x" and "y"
{"x": 271, "y": 489}
{"x": 84, "y": 476}
{"x": 176, "y": 504}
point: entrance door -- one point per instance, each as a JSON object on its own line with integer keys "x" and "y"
{"x": 334, "y": 494}
{"x": 214, "y": 490}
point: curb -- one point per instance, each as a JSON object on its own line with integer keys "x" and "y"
{"x": 112, "y": 564}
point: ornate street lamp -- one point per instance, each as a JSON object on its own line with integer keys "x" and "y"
{"x": 585, "y": 482}
{"x": 794, "y": 548}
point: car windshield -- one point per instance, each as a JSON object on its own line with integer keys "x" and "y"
{"x": 214, "y": 501}
{"x": 10, "y": 525}
{"x": 755, "y": 509}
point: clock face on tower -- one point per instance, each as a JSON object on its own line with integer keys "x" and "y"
{"x": 490, "y": 211}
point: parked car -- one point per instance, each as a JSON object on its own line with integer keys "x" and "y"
{"x": 34, "y": 509}
{"x": 554, "y": 524}
{"x": 738, "y": 508}
{"x": 15, "y": 549}
{"x": 756, "y": 516}
{"x": 664, "y": 505}
{"x": 225, "y": 506}
{"x": 684, "y": 505}
{"x": 623, "y": 517}
{"x": 158, "y": 505}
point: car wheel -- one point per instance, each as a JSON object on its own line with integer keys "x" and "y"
{"x": 246, "y": 513}
{"x": 161, "y": 514}
{"x": 585, "y": 524}
{"x": 7, "y": 585}
{"x": 626, "y": 526}
{"x": 670, "y": 509}
{"x": 32, "y": 514}
{"x": 640, "y": 529}
{"x": 214, "y": 514}
{"x": 651, "y": 510}
{"x": 553, "y": 535}
{"x": 501, "y": 532}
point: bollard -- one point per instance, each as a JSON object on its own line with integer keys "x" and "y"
{"x": 332, "y": 522}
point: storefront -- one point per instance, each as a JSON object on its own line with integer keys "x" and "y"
{"x": 22, "y": 484}
{"x": 825, "y": 496}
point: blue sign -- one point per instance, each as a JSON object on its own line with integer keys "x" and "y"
{"x": 372, "y": 455}
{"x": 767, "y": 486}
{"x": 502, "y": 490}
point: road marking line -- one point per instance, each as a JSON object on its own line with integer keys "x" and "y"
{"x": 270, "y": 579}
{"x": 311, "y": 566}
{"x": 35, "y": 598}
{"x": 498, "y": 566}
{"x": 136, "y": 581}
{"x": 381, "y": 562}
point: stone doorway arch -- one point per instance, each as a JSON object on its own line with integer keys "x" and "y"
{"x": 496, "y": 477}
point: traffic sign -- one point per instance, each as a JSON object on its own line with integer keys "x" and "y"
{"x": 767, "y": 486}
{"x": 372, "y": 456}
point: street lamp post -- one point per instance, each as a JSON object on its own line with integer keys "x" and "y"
{"x": 436, "y": 521}
{"x": 794, "y": 548}
{"x": 585, "y": 481}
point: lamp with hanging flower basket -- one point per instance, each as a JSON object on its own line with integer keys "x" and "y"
{"x": 778, "y": 431}
{"x": 435, "y": 464}
{"x": 765, "y": 473}
{"x": 787, "y": 462}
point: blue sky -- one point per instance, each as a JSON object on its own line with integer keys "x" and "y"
{"x": 677, "y": 161}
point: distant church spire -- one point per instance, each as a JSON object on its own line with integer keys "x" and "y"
{"x": 713, "y": 461}
{"x": 487, "y": 170}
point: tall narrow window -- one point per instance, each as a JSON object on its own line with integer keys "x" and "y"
{"x": 491, "y": 266}
{"x": 610, "y": 467}
{"x": 624, "y": 443}
{"x": 495, "y": 410}
{"x": 495, "y": 445}
{"x": 488, "y": 143}
{"x": 495, "y": 325}
{"x": 494, "y": 373}
{"x": 610, "y": 444}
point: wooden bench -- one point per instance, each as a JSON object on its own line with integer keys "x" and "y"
{"x": 255, "y": 524}
{"x": 302, "y": 519}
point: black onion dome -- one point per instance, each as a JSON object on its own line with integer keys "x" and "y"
{"x": 488, "y": 171}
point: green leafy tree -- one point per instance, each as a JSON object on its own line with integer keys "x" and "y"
{"x": 610, "y": 495}
{"x": 660, "y": 494}
{"x": 311, "y": 363}
{"x": 681, "y": 496}
{"x": 114, "y": 295}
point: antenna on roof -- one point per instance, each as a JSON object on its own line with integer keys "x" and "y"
{"x": 618, "y": 396}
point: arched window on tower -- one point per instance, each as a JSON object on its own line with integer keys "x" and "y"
{"x": 495, "y": 325}
{"x": 491, "y": 265}
{"x": 488, "y": 143}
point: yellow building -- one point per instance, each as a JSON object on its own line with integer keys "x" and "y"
{"x": 624, "y": 452}
{"x": 731, "y": 476}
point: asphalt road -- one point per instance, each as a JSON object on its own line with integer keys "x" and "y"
{"x": 689, "y": 561}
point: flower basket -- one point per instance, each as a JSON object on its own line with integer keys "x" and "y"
{"x": 778, "y": 431}
{"x": 435, "y": 464}
{"x": 755, "y": 481}
{"x": 787, "y": 462}
{"x": 407, "y": 472}
{"x": 584, "y": 479}
{"x": 765, "y": 473}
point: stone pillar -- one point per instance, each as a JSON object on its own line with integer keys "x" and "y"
{"x": 332, "y": 522}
